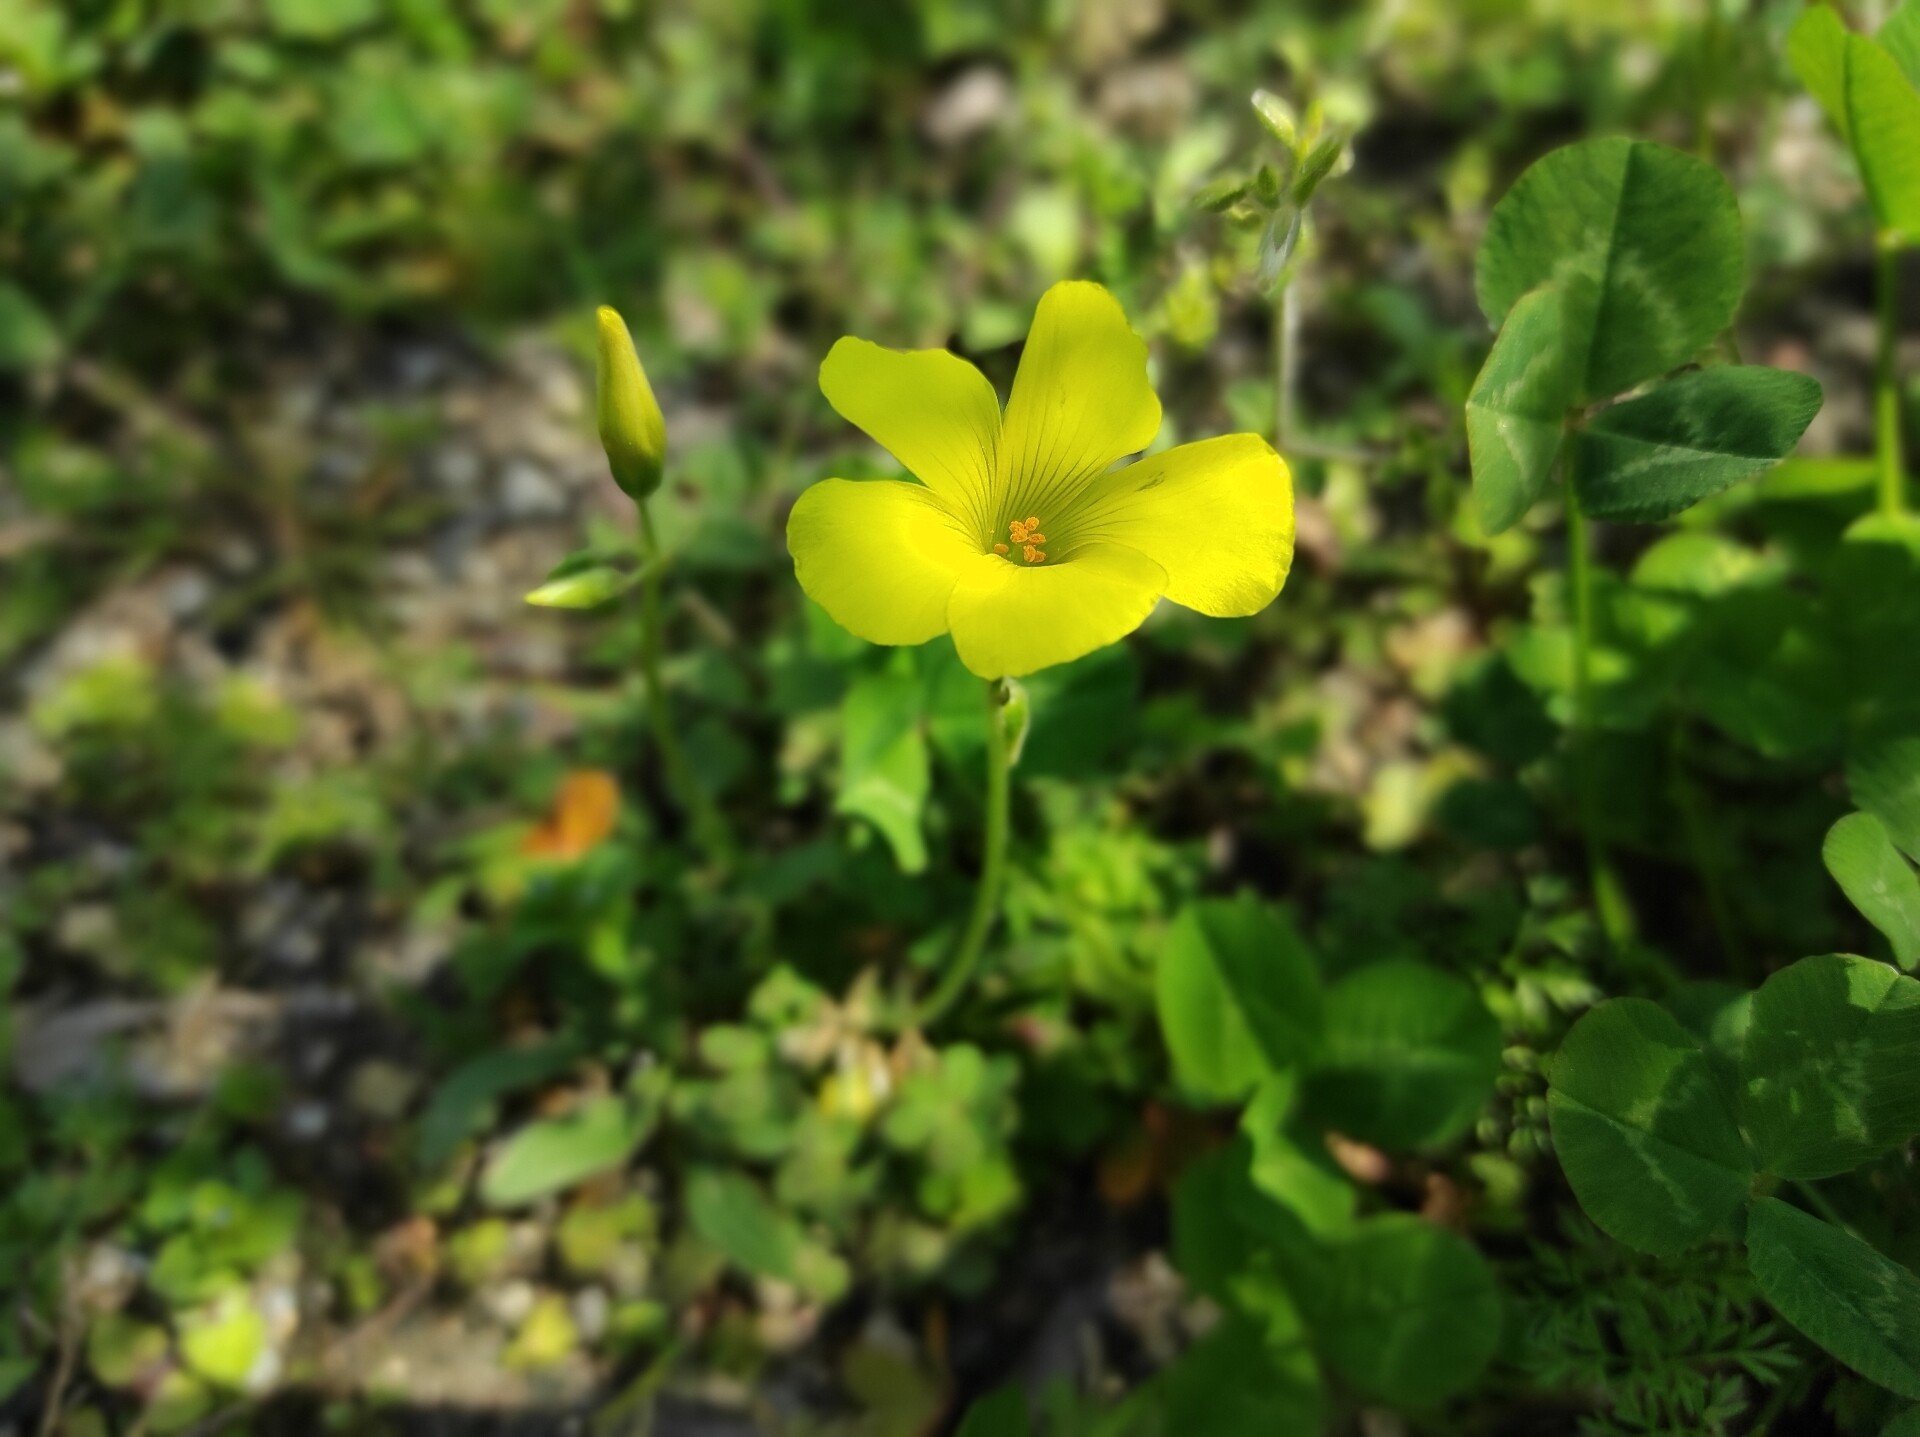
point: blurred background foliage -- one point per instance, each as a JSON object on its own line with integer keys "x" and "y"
{"x": 382, "y": 1054}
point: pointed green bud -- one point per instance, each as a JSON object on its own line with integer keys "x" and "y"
{"x": 632, "y": 430}
{"x": 1277, "y": 115}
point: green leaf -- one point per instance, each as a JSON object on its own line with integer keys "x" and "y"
{"x": 1853, "y": 1301}
{"x": 1516, "y": 414}
{"x": 582, "y": 587}
{"x": 1884, "y": 777}
{"x": 1907, "y": 1424}
{"x": 1830, "y": 1075}
{"x": 1877, "y": 881}
{"x": 1899, "y": 36}
{"x": 1405, "y": 1311}
{"x": 1277, "y": 115}
{"x": 1297, "y": 1172}
{"x": 1237, "y": 996}
{"x": 1644, "y": 1129}
{"x": 1873, "y": 103}
{"x": 1231, "y": 1240}
{"x": 28, "y": 338}
{"x": 729, "y": 1210}
{"x": 1689, "y": 438}
{"x": 1409, "y": 1056}
{"x": 1001, "y": 1413}
{"x": 1234, "y": 1381}
{"x": 555, "y": 1154}
{"x": 1642, "y": 241}
{"x": 884, "y": 772}
{"x": 124, "y": 1351}
{"x": 224, "y": 1340}
{"x": 465, "y": 1101}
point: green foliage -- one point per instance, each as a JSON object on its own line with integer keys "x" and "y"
{"x": 1661, "y": 1143}
{"x": 1644, "y": 1129}
{"x": 350, "y": 1066}
{"x": 1237, "y": 996}
{"x": 1405, "y": 1311}
{"x": 1877, "y": 880}
{"x": 1676, "y": 1344}
{"x": 1609, "y": 263}
{"x": 1867, "y": 87}
{"x": 1830, "y": 1067}
{"x": 1859, "y": 1305}
{"x": 1643, "y": 244}
{"x": 1688, "y": 438}
{"x": 554, "y": 1154}
{"x": 1409, "y": 1056}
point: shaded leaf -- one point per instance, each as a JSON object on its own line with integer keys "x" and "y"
{"x": 1858, "y": 1304}
{"x": 1405, "y": 1311}
{"x": 1409, "y": 1056}
{"x": 1644, "y": 1129}
{"x": 1690, "y": 438}
{"x": 1235, "y": 1380}
{"x": 1830, "y": 1074}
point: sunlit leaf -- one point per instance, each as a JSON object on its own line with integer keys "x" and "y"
{"x": 1872, "y": 101}
{"x": 884, "y": 772}
{"x": 1877, "y": 880}
{"x": 1517, "y": 412}
{"x": 1644, "y": 244}
{"x": 1237, "y": 997}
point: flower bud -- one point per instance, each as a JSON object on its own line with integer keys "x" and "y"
{"x": 632, "y": 430}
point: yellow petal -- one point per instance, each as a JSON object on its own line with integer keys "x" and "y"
{"x": 879, "y": 556}
{"x": 1008, "y": 620}
{"x": 931, "y": 410}
{"x": 1080, "y": 401}
{"x": 1216, "y": 515}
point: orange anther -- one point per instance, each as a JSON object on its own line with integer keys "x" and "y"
{"x": 999, "y": 548}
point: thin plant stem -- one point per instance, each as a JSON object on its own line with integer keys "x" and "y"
{"x": 993, "y": 866}
{"x": 708, "y": 827}
{"x": 1886, "y": 379}
{"x": 1607, "y": 899}
{"x": 1286, "y": 348}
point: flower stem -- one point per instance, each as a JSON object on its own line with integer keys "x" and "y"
{"x": 993, "y": 866}
{"x": 1886, "y": 378}
{"x": 708, "y": 827}
{"x": 1608, "y": 900}
{"x": 1286, "y": 346}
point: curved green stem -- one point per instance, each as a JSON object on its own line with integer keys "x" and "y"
{"x": 708, "y": 827}
{"x": 993, "y": 866}
{"x": 1886, "y": 379}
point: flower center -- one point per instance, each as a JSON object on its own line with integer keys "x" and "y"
{"x": 1025, "y": 537}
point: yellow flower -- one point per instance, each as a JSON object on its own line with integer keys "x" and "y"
{"x": 1021, "y": 538}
